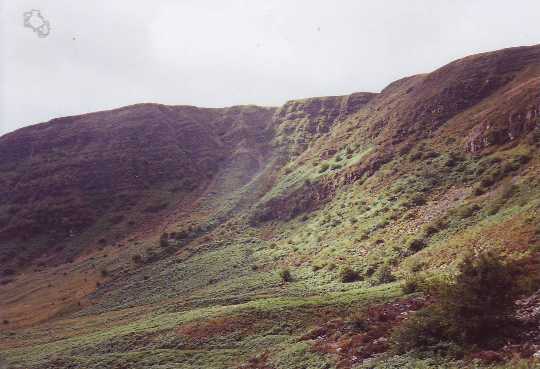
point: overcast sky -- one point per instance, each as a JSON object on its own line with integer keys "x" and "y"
{"x": 103, "y": 54}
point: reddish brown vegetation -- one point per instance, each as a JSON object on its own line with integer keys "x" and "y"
{"x": 367, "y": 335}
{"x": 257, "y": 362}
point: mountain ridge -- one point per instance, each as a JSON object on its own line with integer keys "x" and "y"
{"x": 153, "y": 231}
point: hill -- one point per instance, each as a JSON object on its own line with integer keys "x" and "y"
{"x": 156, "y": 236}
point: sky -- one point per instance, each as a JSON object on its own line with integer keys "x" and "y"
{"x": 103, "y": 54}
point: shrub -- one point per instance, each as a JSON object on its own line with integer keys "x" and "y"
{"x": 416, "y": 245}
{"x": 164, "y": 240}
{"x": 324, "y": 167}
{"x": 522, "y": 158}
{"x": 431, "y": 229}
{"x": 348, "y": 275}
{"x": 479, "y": 190}
{"x": 477, "y": 308}
{"x": 431, "y": 155}
{"x": 487, "y": 181}
{"x": 418, "y": 266}
{"x": 450, "y": 162}
{"x": 383, "y": 274}
{"x": 468, "y": 211}
{"x": 412, "y": 283}
{"x": 181, "y": 235}
{"x": 481, "y": 302}
{"x": 104, "y": 272}
{"x": 508, "y": 191}
{"x": 422, "y": 329}
{"x": 418, "y": 200}
{"x": 285, "y": 275}
{"x": 137, "y": 259}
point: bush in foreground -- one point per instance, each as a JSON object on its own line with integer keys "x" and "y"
{"x": 477, "y": 308}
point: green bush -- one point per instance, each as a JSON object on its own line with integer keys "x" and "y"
{"x": 416, "y": 245}
{"x": 423, "y": 329}
{"x": 418, "y": 266}
{"x": 508, "y": 191}
{"x": 481, "y": 302}
{"x": 418, "y": 200}
{"x": 383, "y": 274}
{"x": 432, "y": 229}
{"x": 285, "y": 275}
{"x": 324, "y": 167}
{"x": 347, "y": 275}
{"x": 479, "y": 190}
{"x": 477, "y": 308}
{"x": 467, "y": 211}
{"x": 487, "y": 181}
{"x": 413, "y": 283}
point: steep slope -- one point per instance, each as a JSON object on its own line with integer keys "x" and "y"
{"x": 221, "y": 201}
{"x": 483, "y": 100}
{"x": 80, "y": 181}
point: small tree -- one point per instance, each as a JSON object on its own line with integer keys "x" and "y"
{"x": 480, "y": 303}
{"x": 476, "y": 308}
{"x": 347, "y": 275}
{"x": 285, "y": 275}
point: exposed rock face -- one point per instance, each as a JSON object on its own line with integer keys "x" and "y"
{"x": 299, "y": 122}
{"x": 522, "y": 116}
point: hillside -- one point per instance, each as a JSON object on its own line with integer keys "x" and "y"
{"x": 156, "y": 236}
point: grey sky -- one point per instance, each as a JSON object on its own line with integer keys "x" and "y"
{"x": 103, "y": 54}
